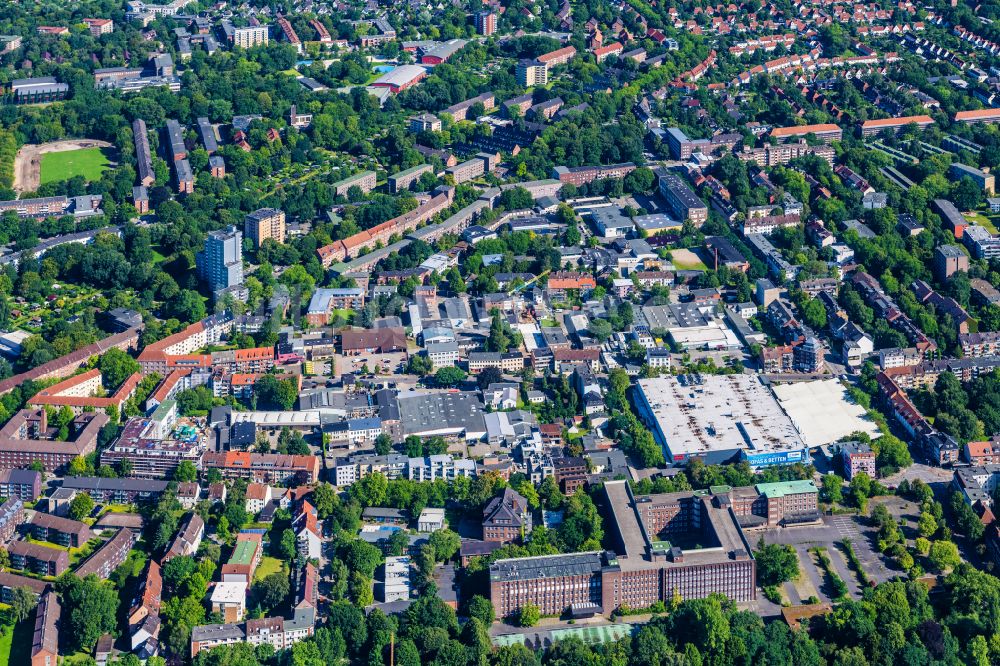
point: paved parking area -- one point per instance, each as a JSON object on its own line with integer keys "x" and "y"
{"x": 831, "y": 534}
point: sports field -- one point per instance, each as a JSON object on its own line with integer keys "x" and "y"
{"x": 87, "y": 162}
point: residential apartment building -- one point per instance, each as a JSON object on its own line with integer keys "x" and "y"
{"x": 26, "y": 438}
{"x": 486, "y": 23}
{"x": 38, "y": 559}
{"x": 11, "y": 515}
{"x": 442, "y": 466}
{"x": 531, "y": 73}
{"x": 109, "y": 556}
{"x": 825, "y": 133}
{"x": 325, "y": 302}
{"x": 143, "y": 156}
{"x": 249, "y": 37}
{"x": 220, "y": 263}
{"x": 894, "y": 125}
{"x": 24, "y": 484}
{"x": 948, "y": 260}
{"x": 365, "y": 181}
{"x": 401, "y": 181}
{"x": 588, "y": 174}
{"x": 980, "y": 242}
{"x": 857, "y": 457}
{"x": 263, "y": 467}
{"x": 683, "y": 202}
{"x": 265, "y": 223}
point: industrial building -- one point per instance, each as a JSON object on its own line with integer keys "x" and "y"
{"x": 689, "y": 544}
{"x": 718, "y": 418}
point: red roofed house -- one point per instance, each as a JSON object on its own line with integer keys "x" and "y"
{"x": 982, "y": 453}
{"x": 79, "y": 393}
{"x": 615, "y": 48}
{"x": 563, "y": 281}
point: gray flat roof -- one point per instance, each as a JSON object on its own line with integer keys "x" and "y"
{"x": 549, "y": 566}
{"x": 441, "y": 411}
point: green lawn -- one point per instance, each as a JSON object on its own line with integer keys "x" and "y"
{"x": 268, "y": 566}
{"x": 6, "y": 639}
{"x": 990, "y": 222}
{"x": 87, "y": 162}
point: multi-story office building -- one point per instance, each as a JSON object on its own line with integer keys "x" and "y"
{"x": 264, "y": 223}
{"x": 220, "y": 263}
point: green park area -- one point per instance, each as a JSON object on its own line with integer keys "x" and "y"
{"x": 87, "y": 162}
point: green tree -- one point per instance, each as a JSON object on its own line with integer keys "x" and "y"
{"x": 185, "y": 472}
{"x": 529, "y": 615}
{"x": 22, "y": 603}
{"x": 944, "y": 555}
{"x": 275, "y": 393}
{"x": 480, "y": 608}
{"x": 370, "y": 490}
{"x": 288, "y": 546}
{"x": 383, "y": 444}
{"x": 449, "y": 376}
{"x": 116, "y": 366}
{"x": 776, "y": 563}
{"x": 833, "y": 488}
{"x": 89, "y": 610}
{"x": 927, "y": 524}
{"x": 81, "y": 506}
{"x": 271, "y": 590}
{"x": 445, "y": 543}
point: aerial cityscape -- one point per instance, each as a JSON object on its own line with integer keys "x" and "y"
{"x": 499, "y": 333}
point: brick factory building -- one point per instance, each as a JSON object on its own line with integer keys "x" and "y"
{"x": 647, "y": 567}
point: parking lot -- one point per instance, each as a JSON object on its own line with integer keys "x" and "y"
{"x": 830, "y": 535}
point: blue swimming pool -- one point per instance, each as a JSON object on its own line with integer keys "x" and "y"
{"x": 384, "y": 69}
